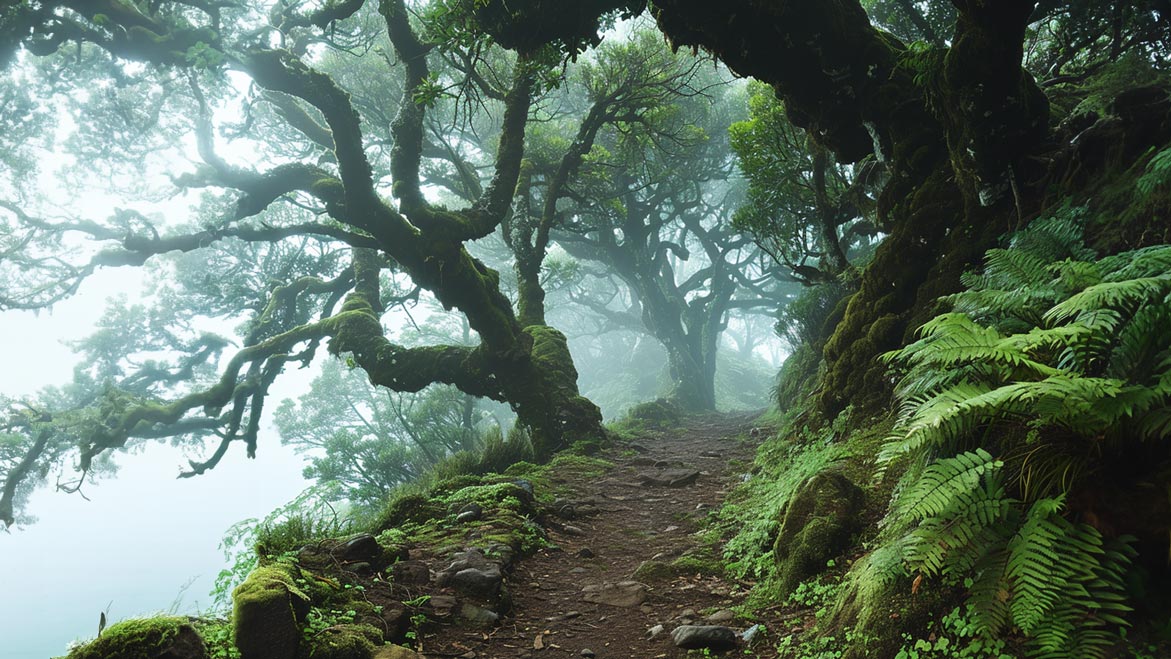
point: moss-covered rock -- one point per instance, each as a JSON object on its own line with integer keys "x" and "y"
{"x": 816, "y": 527}
{"x": 343, "y": 642}
{"x": 163, "y": 637}
{"x": 268, "y": 609}
{"x": 396, "y": 652}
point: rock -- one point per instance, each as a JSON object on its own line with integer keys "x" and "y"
{"x": 476, "y": 616}
{"x": 396, "y": 652}
{"x": 655, "y": 632}
{"x": 500, "y": 553}
{"x": 163, "y": 637}
{"x": 669, "y": 478}
{"x": 346, "y": 641}
{"x": 442, "y": 604}
{"x": 469, "y": 513}
{"x": 563, "y": 508}
{"x": 525, "y": 485}
{"x": 585, "y": 552}
{"x": 362, "y": 547}
{"x": 723, "y": 615}
{"x": 395, "y": 620}
{"x": 572, "y": 530}
{"x": 472, "y": 573}
{"x": 361, "y": 567}
{"x": 697, "y": 637}
{"x": 483, "y": 582}
{"x": 710, "y": 454}
{"x": 816, "y": 526}
{"x": 653, "y": 570}
{"x": 624, "y": 594}
{"x": 578, "y": 570}
{"x": 587, "y": 653}
{"x": 268, "y": 609}
{"x": 411, "y": 573}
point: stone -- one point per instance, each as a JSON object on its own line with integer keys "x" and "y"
{"x": 749, "y": 635}
{"x": 572, "y": 530}
{"x": 469, "y": 513}
{"x": 655, "y": 632}
{"x": 723, "y": 615}
{"x": 396, "y": 652}
{"x": 588, "y": 653}
{"x": 442, "y": 604}
{"x": 563, "y": 508}
{"x": 361, "y": 568}
{"x": 477, "y": 616}
{"x": 669, "y": 478}
{"x": 472, "y": 573}
{"x": 624, "y": 594}
{"x": 585, "y": 552}
{"x": 483, "y": 582}
{"x": 815, "y": 527}
{"x": 411, "y": 573}
{"x": 697, "y": 637}
{"x": 362, "y": 547}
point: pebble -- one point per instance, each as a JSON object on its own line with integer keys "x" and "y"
{"x": 655, "y": 631}
{"x": 587, "y": 653}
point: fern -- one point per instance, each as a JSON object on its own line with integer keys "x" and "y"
{"x": 1052, "y": 359}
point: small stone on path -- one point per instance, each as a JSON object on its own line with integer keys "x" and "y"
{"x": 624, "y": 594}
{"x": 712, "y": 637}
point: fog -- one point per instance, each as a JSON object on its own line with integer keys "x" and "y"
{"x": 145, "y": 541}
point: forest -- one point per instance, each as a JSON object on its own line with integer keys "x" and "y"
{"x": 623, "y": 328}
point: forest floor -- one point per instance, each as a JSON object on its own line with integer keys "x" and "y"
{"x": 631, "y": 516}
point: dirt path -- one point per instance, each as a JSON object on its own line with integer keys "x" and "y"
{"x": 630, "y": 515}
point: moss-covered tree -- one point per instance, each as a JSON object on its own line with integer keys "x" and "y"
{"x": 314, "y": 172}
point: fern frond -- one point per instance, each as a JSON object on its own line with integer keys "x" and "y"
{"x": 1125, "y": 296}
{"x": 946, "y": 484}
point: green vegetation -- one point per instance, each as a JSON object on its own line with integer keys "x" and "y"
{"x": 143, "y": 638}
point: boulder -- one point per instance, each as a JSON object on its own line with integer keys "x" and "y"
{"x": 163, "y": 637}
{"x": 268, "y": 609}
{"x": 816, "y": 526}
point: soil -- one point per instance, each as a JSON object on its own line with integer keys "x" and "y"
{"x": 618, "y": 521}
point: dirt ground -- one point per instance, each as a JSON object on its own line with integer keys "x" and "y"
{"x": 619, "y": 521}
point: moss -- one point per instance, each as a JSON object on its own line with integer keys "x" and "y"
{"x": 143, "y": 638}
{"x": 343, "y": 642}
{"x": 816, "y": 527}
{"x": 406, "y": 508}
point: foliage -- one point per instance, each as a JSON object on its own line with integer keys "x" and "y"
{"x": 365, "y": 441}
{"x": 804, "y": 210}
{"x": 1061, "y": 363}
{"x": 309, "y": 517}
